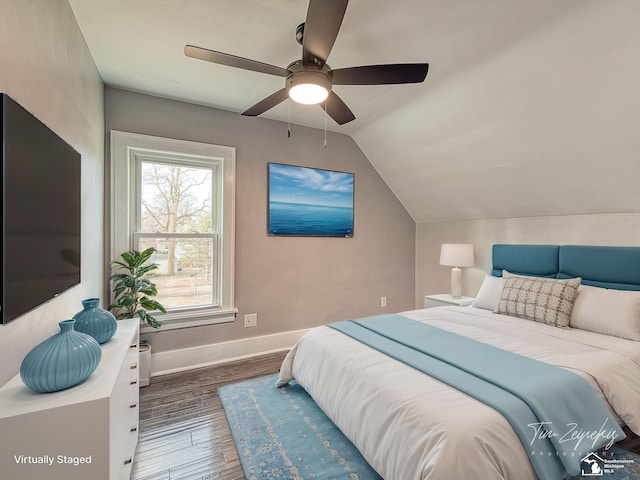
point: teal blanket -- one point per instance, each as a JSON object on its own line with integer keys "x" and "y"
{"x": 556, "y": 414}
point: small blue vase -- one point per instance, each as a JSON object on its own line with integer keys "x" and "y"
{"x": 95, "y": 321}
{"x": 61, "y": 361}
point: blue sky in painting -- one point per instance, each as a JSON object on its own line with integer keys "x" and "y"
{"x": 310, "y": 186}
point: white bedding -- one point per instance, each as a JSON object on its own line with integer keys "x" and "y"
{"x": 408, "y": 425}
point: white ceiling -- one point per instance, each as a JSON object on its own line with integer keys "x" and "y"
{"x": 529, "y": 108}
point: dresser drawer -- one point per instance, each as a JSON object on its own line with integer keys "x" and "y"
{"x": 127, "y": 459}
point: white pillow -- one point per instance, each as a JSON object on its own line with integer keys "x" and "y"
{"x": 489, "y": 294}
{"x": 607, "y": 311}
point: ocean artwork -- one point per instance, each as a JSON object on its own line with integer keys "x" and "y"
{"x": 310, "y": 201}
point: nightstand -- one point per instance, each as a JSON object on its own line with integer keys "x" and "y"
{"x": 443, "y": 299}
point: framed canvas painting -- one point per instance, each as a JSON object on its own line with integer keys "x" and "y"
{"x": 309, "y": 202}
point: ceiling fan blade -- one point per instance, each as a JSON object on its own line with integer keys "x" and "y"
{"x": 233, "y": 61}
{"x": 321, "y": 27}
{"x": 267, "y": 103}
{"x": 337, "y": 109}
{"x": 380, "y": 74}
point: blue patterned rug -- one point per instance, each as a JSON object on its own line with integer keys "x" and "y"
{"x": 281, "y": 434}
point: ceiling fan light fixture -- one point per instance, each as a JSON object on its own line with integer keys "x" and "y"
{"x": 308, "y": 87}
{"x": 308, "y": 93}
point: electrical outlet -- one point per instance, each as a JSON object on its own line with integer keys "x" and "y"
{"x": 383, "y": 302}
{"x": 251, "y": 320}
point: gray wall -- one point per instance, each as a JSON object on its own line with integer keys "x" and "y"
{"x": 621, "y": 229}
{"x": 291, "y": 283}
{"x": 47, "y": 68}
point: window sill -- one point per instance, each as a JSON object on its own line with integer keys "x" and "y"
{"x": 190, "y": 318}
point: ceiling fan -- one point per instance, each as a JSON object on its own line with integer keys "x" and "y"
{"x": 310, "y": 80}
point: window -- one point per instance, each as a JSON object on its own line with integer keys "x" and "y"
{"x": 178, "y": 197}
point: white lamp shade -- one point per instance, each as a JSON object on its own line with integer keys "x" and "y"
{"x": 456, "y": 255}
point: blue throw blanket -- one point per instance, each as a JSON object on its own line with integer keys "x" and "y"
{"x": 557, "y": 415}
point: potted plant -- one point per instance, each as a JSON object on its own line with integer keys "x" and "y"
{"x": 133, "y": 290}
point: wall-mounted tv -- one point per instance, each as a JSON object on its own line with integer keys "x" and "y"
{"x": 307, "y": 201}
{"x": 40, "y": 212}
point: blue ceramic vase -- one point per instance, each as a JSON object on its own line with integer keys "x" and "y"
{"x": 95, "y": 321}
{"x": 61, "y": 361}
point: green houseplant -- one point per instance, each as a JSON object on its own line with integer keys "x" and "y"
{"x": 133, "y": 290}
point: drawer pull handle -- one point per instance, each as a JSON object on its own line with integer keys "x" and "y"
{"x": 128, "y": 460}
{"x": 133, "y": 382}
{"x": 133, "y": 405}
{"x": 133, "y": 367}
{"x": 134, "y": 429}
{"x": 134, "y": 345}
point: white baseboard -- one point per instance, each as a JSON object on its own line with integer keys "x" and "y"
{"x": 173, "y": 361}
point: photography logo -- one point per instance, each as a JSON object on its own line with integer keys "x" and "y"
{"x": 592, "y": 466}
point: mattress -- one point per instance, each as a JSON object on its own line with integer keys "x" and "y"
{"x": 408, "y": 425}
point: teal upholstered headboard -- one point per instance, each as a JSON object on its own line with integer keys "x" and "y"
{"x": 607, "y": 267}
{"x": 535, "y": 260}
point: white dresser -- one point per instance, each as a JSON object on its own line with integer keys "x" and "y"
{"x": 89, "y": 431}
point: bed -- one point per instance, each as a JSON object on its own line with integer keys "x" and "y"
{"x": 410, "y": 425}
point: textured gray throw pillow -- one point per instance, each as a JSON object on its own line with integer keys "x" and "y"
{"x": 544, "y": 300}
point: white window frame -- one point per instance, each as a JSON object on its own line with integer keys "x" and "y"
{"x": 125, "y": 148}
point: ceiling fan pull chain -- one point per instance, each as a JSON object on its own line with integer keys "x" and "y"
{"x": 325, "y": 124}
{"x": 289, "y": 125}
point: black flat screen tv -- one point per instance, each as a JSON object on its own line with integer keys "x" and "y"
{"x": 40, "y": 212}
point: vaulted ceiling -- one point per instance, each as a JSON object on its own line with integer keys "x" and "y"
{"x": 529, "y": 108}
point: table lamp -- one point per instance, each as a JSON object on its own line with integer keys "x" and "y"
{"x": 456, "y": 255}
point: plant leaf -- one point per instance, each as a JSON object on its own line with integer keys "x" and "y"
{"x": 130, "y": 258}
{"x": 150, "y": 304}
{"x": 147, "y": 268}
{"x": 144, "y": 316}
{"x": 119, "y": 265}
{"x": 141, "y": 258}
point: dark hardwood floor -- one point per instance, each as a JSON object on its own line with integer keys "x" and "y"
{"x": 183, "y": 431}
{"x": 632, "y": 442}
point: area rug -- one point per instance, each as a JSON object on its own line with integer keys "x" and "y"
{"x": 281, "y": 434}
